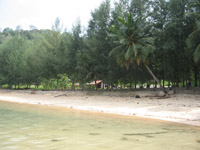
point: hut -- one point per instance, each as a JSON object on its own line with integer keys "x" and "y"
{"x": 99, "y": 83}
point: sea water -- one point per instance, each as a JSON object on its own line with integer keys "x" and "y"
{"x": 33, "y": 127}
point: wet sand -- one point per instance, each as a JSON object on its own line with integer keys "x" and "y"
{"x": 181, "y": 107}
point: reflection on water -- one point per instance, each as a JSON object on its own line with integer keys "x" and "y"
{"x": 39, "y": 127}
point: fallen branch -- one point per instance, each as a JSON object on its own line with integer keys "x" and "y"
{"x": 60, "y": 95}
{"x": 165, "y": 97}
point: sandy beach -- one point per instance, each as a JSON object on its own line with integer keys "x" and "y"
{"x": 182, "y": 107}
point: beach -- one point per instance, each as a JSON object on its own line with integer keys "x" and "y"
{"x": 180, "y": 107}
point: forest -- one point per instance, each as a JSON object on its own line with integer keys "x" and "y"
{"x": 126, "y": 44}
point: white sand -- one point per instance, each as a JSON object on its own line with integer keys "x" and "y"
{"x": 181, "y": 108}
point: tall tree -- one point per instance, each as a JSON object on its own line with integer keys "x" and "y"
{"x": 159, "y": 19}
{"x": 76, "y": 46}
{"x": 99, "y": 42}
{"x": 13, "y": 64}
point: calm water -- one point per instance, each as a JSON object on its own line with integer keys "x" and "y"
{"x": 29, "y": 127}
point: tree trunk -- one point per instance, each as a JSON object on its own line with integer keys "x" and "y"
{"x": 163, "y": 80}
{"x": 82, "y": 85}
{"x": 154, "y": 77}
{"x": 177, "y": 83}
{"x": 183, "y": 83}
{"x": 95, "y": 85}
{"x": 173, "y": 84}
{"x": 130, "y": 85}
{"x": 155, "y": 84}
{"x": 168, "y": 84}
{"x": 195, "y": 76}
{"x": 148, "y": 85}
{"x": 73, "y": 89}
{"x": 135, "y": 84}
{"x": 47, "y": 84}
{"x": 57, "y": 86}
{"x": 199, "y": 81}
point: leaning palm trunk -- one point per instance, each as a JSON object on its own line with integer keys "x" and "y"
{"x": 154, "y": 77}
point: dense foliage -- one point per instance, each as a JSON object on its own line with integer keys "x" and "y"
{"x": 135, "y": 42}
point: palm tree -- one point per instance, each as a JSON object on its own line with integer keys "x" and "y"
{"x": 133, "y": 43}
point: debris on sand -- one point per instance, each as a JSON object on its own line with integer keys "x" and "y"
{"x": 33, "y": 92}
{"x": 137, "y": 96}
{"x": 60, "y": 95}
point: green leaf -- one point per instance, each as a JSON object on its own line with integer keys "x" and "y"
{"x": 116, "y": 50}
{"x": 197, "y": 54}
{"x": 129, "y": 53}
{"x": 121, "y": 20}
{"x": 124, "y": 41}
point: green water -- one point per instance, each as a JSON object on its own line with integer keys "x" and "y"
{"x": 30, "y": 127}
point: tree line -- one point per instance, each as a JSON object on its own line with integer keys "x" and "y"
{"x": 135, "y": 42}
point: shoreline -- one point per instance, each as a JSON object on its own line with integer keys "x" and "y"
{"x": 179, "y": 108}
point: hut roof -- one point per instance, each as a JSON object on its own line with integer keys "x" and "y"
{"x": 97, "y": 82}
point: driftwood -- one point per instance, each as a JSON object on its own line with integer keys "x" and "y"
{"x": 162, "y": 94}
{"x": 60, "y": 95}
{"x": 165, "y": 97}
{"x": 158, "y": 97}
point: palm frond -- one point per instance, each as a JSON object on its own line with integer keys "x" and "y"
{"x": 197, "y": 54}
{"x": 129, "y": 53}
{"x": 112, "y": 35}
{"x": 124, "y": 41}
{"x": 135, "y": 49}
{"x": 198, "y": 25}
{"x": 133, "y": 44}
{"x": 114, "y": 30}
{"x": 116, "y": 50}
{"x": 193, "y": 39}
{"x": 147, "y": 40}
{"x": 138, "y": 60}
{"x": 121, "y": 20}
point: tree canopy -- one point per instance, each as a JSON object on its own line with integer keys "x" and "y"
{"x": 122, "y": 44}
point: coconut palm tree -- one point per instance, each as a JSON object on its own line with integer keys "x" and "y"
{"x": 133, "y": 42}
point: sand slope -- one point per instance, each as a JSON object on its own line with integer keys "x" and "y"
{"x": 182, "y": 108}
